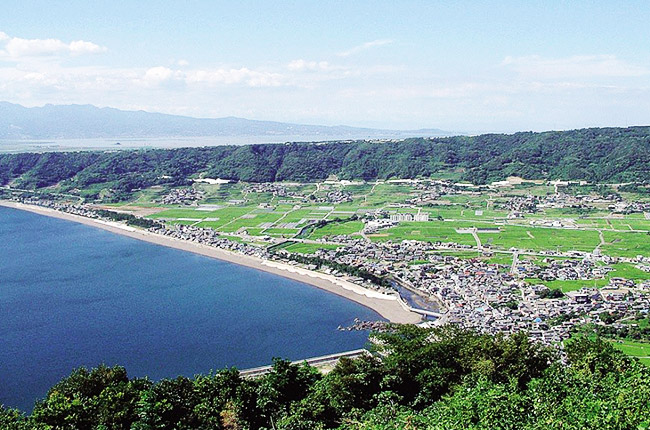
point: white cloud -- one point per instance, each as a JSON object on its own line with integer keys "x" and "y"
{"x": 80, "y": 47}
{"x": 243, "y": 75}
{"x": 16, "y": 48}
{"x": 585, "y": 66}
{"x": 159, "y": 75}
{"x": 303, "y": 65}
{"x": 307, "y": 74}
{"x": 545, "y": 92}
{"x": 364, "y": 46}
{"x": 173, "y": 77}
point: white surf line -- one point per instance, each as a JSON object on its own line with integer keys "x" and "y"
{"x": 345, "y": 284}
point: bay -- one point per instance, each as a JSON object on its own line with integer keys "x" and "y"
{"x": 73, "y": 295}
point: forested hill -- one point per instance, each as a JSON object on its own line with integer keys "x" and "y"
{"x": 598, "y": 154}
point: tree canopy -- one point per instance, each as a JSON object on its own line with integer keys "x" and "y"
{"x": 440, "y": 378}
{"x": 596, "y": 155}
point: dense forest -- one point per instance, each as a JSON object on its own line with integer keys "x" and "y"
{"x": 596, "y": 155}
{"x": 442, "y": 378}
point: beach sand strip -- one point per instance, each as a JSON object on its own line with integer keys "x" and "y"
{"x": 384, "y": 304}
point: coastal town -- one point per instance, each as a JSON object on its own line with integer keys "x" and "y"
{"x": 476, "y": 285}
{"x": 307, "y": 215}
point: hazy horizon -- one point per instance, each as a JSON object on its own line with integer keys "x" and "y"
{"x": 463, "y": 66}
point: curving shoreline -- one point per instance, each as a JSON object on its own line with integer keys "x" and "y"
{"x": 385, "y": 305}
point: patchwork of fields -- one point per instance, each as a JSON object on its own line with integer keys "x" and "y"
{"x": 230, "y": 208}
{"x": 511, "y": 228}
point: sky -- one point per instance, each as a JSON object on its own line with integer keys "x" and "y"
{"x": 464, "y": 66}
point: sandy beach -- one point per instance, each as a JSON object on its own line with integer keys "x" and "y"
{"x": 385, "y": 305}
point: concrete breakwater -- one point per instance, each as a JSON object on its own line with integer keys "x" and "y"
{"x": 323, "y": 362}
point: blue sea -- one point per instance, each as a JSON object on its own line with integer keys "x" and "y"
{"x": 73, "y": 295}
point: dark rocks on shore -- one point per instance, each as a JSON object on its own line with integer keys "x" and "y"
{"x": 365, "y": 325}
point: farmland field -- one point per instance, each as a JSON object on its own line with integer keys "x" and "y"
{"x": 641, "y": 350}
{"x": 258, "y": 211}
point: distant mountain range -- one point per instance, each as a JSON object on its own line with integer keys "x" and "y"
{"x": 89, "y": 122}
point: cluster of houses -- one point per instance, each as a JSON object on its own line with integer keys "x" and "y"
{"x": 430, "y": 192}
{"x": 334, "y": 197}
{"x": 470, "y": 292}
{"x": 81, "y": 210}
{"x": 371, "y": 226}
{"x": 492, "y": 298}
{"x": 209, "y": 237}
{"x": 281, "y": 190}
{"x": 531, "y": 204}
{"x": 274, "y": 188}
{"x": 554, "y": 223}
{"x": 624, "y": 207}
{"x": 406, "y": 217}
{"x": 182, "y": 196}
{"x": 562, "y": 200}
{"x": 563, "y": 269}
{"x": 520, "y": 204}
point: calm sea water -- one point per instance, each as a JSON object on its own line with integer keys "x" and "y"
{"x": 73, "y": 295}
{"x": 8, "y": 145}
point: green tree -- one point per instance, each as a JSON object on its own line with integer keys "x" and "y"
{"x": 284, "y": 384}
{"x": 90, "y": 398}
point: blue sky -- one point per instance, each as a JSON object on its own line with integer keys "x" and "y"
{"x": 457, "y": 65}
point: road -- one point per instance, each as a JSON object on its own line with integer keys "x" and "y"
{"x": 477, "y": 239}
{"x": 515, "y": 261}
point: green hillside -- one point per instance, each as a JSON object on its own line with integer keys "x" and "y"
{"x": 600, "y": 155}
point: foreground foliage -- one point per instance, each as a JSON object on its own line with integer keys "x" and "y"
{"x": 443, "y": 378}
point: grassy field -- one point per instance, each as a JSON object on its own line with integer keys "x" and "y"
{"x": 385, "y": 193}
{"x": 623, "y": 244}
{"x": 304, "y": 214}
{"x": 539, "y": 239}
{"x": 628, "y": 271}
{"x": 240, "y": 211}
{"x": 640, "y": 350}
{"x": 183, "y": 213}
{"x": 337, "y": 228}
{"x": 308, "y": 248}
{"x": 253, "y": 219}
{"x": 432, "y": 231}
{"x": 462, "y": 213}
{"x": 499, "y": 259}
